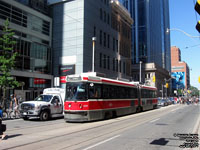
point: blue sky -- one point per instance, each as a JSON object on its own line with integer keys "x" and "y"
{"x": 184, "y": 17}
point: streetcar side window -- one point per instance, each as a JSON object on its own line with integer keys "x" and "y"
{"x": 94, "y": 91}
{"x": 148, "y": 93}
{"x": 133, "y": 93}
{"x": 106, "y": 91}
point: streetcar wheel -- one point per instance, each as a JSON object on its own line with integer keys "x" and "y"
{"x": 44, "y": 116}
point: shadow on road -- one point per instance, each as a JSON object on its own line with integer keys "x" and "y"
{"x": 13, "y": 136}
{"x": 161, "y": 141}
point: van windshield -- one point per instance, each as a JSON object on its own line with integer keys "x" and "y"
{"x": 45, "y": 98}
{"x": 76, "y": 91}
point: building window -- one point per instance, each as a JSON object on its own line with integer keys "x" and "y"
{"x": 108, "y": 19}
{"x": 100, "y": 60}
{"x": 104, "y": 42}
{"x": 104, "y": 16}
{"x": 104, "y": 61}
{"x": 117, "y": 65}
{"x": 117, "y": 45}
{"x": 113, "y": 44}
{"x": 124, "y": 67}
{"x": 120, "y": 66}
{"x": 108, "y": 62}
{"x": 101, "y": 14}
{"x": 100, "y": 37}
{"x": 94, "y": 34}
{"x": 108, "y": 41}
{"x": 113, "y": 64}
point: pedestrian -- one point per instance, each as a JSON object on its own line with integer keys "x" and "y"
{"x": 2, "y": 130}
{"x": 14, "y": 104}
{"x": 1, "y": 112}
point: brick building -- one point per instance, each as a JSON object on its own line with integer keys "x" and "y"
{"x": 180, "y": 70}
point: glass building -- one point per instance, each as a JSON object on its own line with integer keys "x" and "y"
{"x": 76, "y": 22}
{"x": 33, "y": 36}
{"x": 150, "y": 41}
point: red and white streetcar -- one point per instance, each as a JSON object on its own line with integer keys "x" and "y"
{"x": 89, "y": 97}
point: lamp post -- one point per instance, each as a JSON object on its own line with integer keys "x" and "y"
{"x": 176, "y": 29}
{"x": 140, "y": 80}
{"x": 93, "y": 52}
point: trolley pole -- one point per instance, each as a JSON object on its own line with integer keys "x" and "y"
{"x": 93, "y": 52}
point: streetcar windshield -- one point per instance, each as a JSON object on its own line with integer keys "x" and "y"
{"x": 76, "y": 91}
{"x": 45, "y": 98}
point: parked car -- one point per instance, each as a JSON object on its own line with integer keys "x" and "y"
{"x": 162, "y": 102}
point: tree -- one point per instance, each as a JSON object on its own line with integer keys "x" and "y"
{"x": 194, "y": 91}
{"x": 7, "y": 61}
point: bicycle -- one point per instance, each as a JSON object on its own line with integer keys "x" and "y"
{"x": 10, "y": 114}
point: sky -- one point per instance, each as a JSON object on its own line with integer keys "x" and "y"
{"x": 184, "y": 17}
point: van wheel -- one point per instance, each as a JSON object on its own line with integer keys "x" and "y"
{"x": 25, "y": 118}
{"x": 44, "y": 116}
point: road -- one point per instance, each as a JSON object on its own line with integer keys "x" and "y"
{"x": 151, "y": 130}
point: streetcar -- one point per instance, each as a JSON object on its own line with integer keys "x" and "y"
{"x": 90, "y": 97}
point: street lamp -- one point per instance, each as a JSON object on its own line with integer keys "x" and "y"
{"x": 140, "y": 80}
{"x": 93, "y": 52}
{"x": 176, "y": 29}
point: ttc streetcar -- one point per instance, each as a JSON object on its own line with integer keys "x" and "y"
{"x": 89, "y": 97}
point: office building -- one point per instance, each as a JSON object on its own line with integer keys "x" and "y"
{"x": 33, "y": 36}
{"x": 150, "y": 42}
{"x": 75, "y": 23}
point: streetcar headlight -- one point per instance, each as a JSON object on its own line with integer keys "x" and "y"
{"x": 69, "y": 105}
{"x": 80, "y": 106}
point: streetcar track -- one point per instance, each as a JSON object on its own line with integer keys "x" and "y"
{"x": 117, "y": 120}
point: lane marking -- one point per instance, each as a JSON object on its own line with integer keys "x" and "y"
{"x": 154, "y": 120}
{"x": 102, "y": 142}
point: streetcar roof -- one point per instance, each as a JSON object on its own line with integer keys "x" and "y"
{"x": 93, "y": 77}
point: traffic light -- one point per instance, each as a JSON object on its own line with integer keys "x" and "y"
{"x": 197, "y": 6}
{"x": 199, "y": 79}
{"x": 198, "y": 26}
{"x": 154, "y": 79}
{"x": 167, "y": 85}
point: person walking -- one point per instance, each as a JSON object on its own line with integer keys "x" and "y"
{"x": 2, "y": 130}
{"x": 14, "y": 104}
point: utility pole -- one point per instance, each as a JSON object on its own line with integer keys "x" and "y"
{"x": 93, "y": 52}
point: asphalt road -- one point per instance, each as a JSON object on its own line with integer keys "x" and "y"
{"x": 151, "y": 130}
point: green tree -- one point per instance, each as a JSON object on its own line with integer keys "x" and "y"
{"x": 7, "y": 61}
{"x": 194, "y": 91}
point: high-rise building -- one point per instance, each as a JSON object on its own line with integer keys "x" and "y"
{"x": 76, "y": 22}
{"x": 150, "y": 42}
{"x": 180, "y": 70}
{"x": 33, "y": 36}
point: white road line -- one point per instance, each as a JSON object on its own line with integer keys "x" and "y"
{"x": 101, "y": 142}
{"x": 154, "y": 120}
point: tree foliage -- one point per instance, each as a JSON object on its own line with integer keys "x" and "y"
{"x": 194, "y": 91}
{"x": 7, "y": 60}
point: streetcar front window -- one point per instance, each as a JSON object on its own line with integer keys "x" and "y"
{"x": 76, "y": 91}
